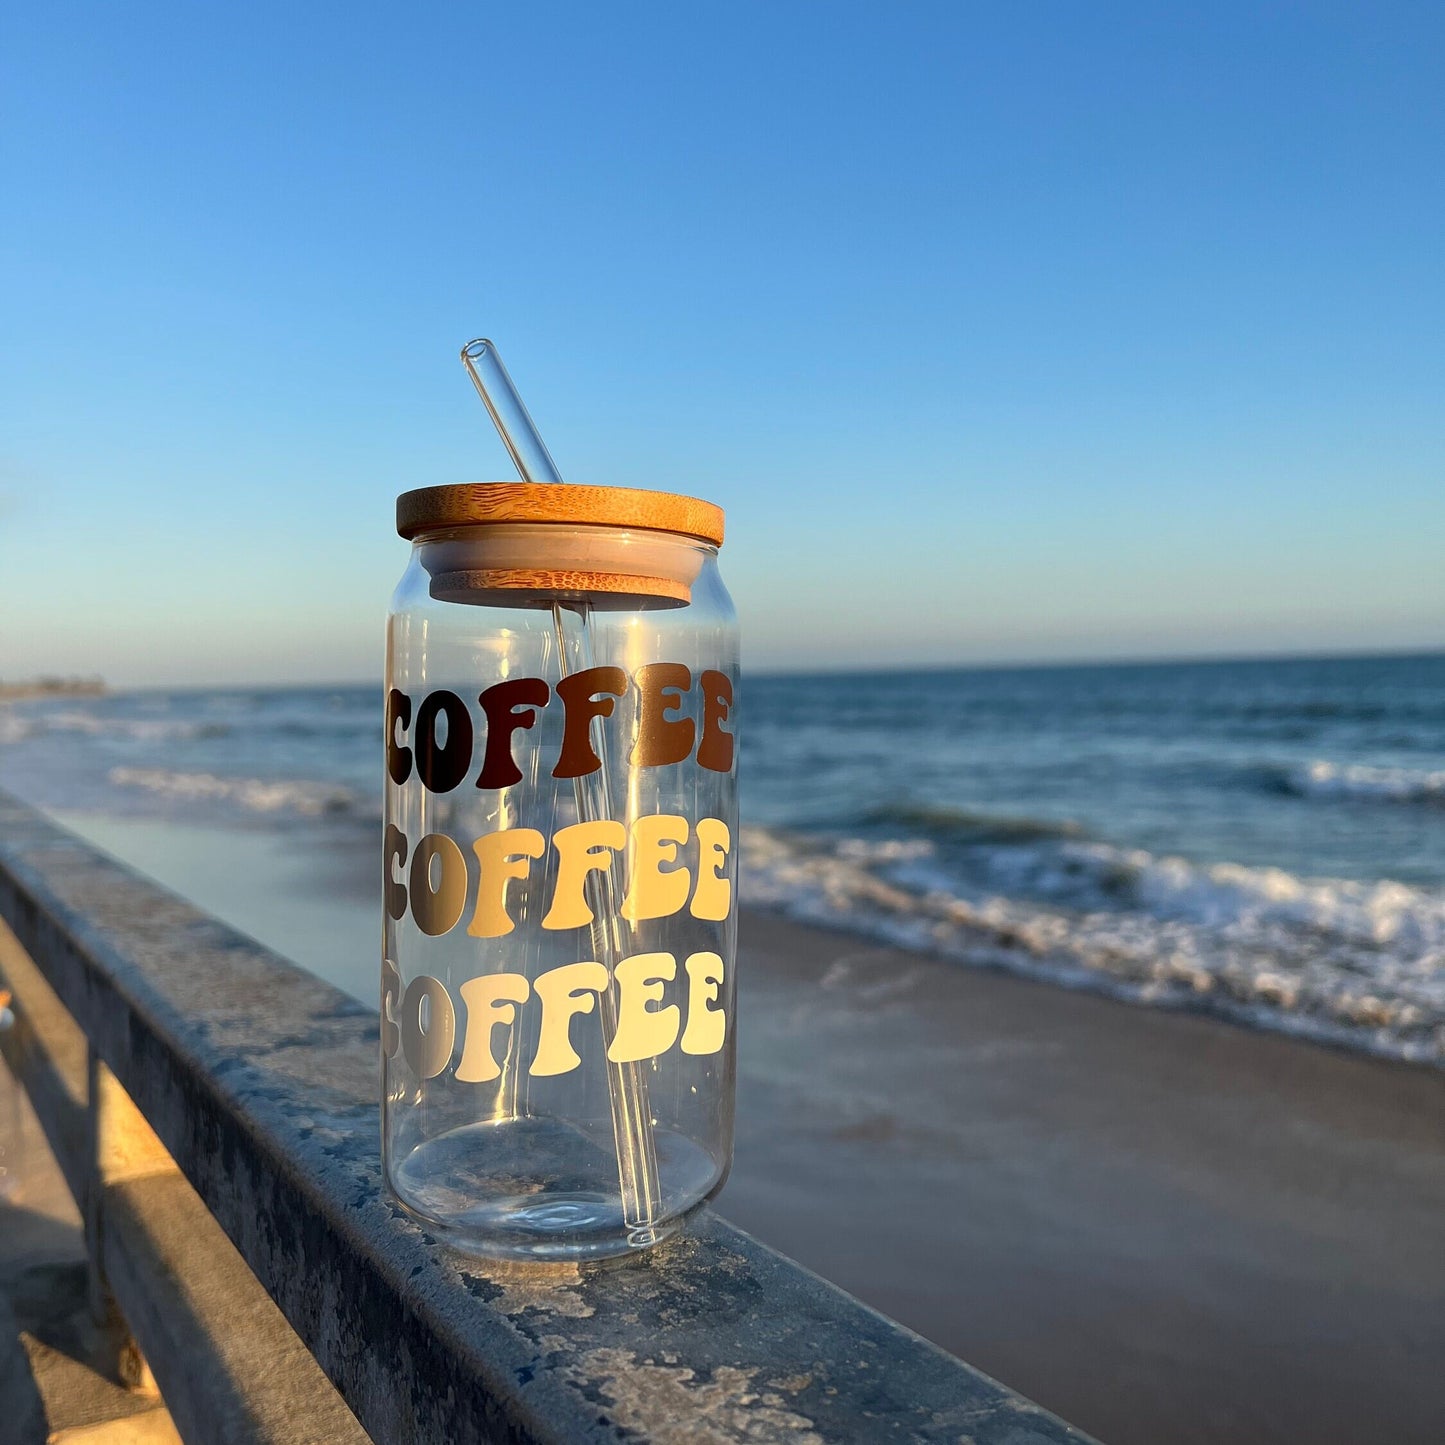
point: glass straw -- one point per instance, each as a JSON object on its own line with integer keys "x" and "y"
{"x": 627, "y": 1084}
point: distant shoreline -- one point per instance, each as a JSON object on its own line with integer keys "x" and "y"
{"x": 53, "y": 687}
{"x": 773, "y": 671}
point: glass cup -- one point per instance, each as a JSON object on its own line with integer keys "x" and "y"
{"x": 560, "y": 877}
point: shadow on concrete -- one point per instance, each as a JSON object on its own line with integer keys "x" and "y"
{"x": 59, "y": 1369}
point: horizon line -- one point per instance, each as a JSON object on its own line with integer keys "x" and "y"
{"x": 872, "y": 669}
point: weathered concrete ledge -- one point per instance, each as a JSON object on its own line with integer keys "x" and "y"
{"x": 261, "y": 1082}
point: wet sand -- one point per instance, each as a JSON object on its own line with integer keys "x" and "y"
{"x": 1163, "y": 1227}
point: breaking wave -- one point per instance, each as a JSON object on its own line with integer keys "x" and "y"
{"x": 1322, "y": 779}
{"x": 256, "y": 795}
{"x": 1343, "y": 961}
{"x": 967, "y": 826}
{"x": 15, "y": 729}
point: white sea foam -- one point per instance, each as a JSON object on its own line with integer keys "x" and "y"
{"x": 73, "y": 722}
{"x": 257, "y": 795}
{"x": 1333, "y": 958}
{"x": 1321, "y": 779}
{"x": 14, "y": 729}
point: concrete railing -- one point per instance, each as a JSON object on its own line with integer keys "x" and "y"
{"x": 214, "y": 1110}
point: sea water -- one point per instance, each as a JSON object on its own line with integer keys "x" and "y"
{"x": 1264, "y": 840}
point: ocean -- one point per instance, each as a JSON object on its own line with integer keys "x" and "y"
{"x": 1263, "y": 840}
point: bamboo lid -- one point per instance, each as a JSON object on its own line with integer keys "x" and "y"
{"x": 474, "y": 504}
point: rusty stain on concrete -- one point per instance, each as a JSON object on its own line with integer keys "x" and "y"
{"x": 675, "y": 1407}
{"x": 545, "y": 1288}
{"x": 792, "y": 1383}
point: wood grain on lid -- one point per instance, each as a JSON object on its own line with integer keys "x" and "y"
{"x": 477, "y": 584}
{"x": 488, "y": 503}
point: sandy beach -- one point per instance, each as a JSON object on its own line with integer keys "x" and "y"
{"x": 1161, "y": 1226}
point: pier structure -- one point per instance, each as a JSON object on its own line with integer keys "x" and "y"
{"x": 212, "y": 1112}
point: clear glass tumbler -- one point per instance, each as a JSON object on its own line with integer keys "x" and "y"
{"x": 560, "y": 875}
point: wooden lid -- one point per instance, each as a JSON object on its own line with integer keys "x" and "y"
{"x": 480, "y": 504}
{"x": 540, "y": 587}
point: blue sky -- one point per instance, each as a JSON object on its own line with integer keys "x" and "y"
{"x": 1011, "y": 332}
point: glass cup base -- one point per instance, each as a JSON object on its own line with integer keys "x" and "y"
{"x": 539, "y": 1189}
